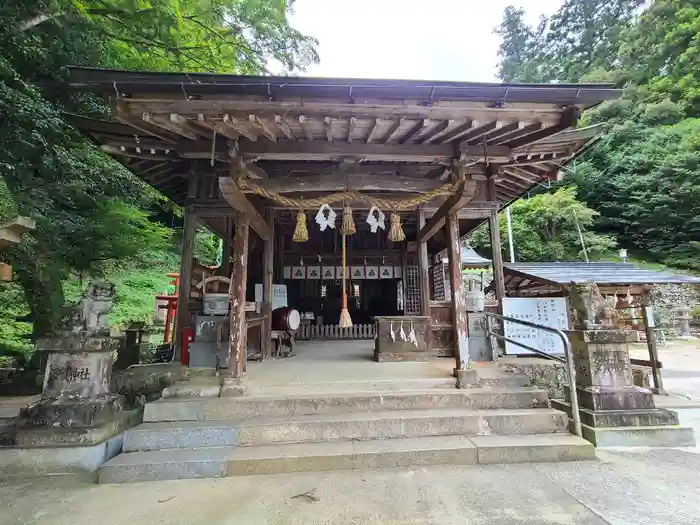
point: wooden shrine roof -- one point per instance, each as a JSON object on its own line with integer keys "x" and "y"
{"x": 536, "y": 276}
{"x": 310, "y": 136}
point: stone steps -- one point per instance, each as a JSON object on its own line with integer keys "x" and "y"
{"x": 199, "y": 409}
{"x": 211, "y": 462}
{"x": 391, "y": 424}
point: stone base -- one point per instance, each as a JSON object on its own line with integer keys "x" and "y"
{"x": 466, "y": 378}
{"x": 651, "y": 436}
{"x": 71, "y": 412}
{"x": 201, "y": 386}
{"x": 388, "y": 357}
{"x": 643, "y": 417}
{"x": 613, "y": 398}
{"x": 233, "y": 387}
{"x": 28, "y": 462}
{"x": 77, "y": 436}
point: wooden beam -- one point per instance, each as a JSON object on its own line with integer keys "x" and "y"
{"x": 322, "y": 150}
{"x": 414, "y": 131}
{"x": 239, "y": 277}
{"x": 476, "y": 134}
{"x": 459, "y": 310}
{"x": 477, "y": 129}
{"x": 239, "y": 127}
{"x": 121, "y": 111}
{"x": 374, "y": 130}
{"x": 262, "y": 126}
{"x": 227, "y": 247}
{"x": 238, "y": 201}
{"x": 438, "y": 220}
{"x": 165, "y": 123}
{"x": 268, "y": 264}
{"x": 284, "y": 127}
{"x": 423, "y": 269}
{"x": 114, "y": 150}
{"x": 218, "y": 126}
{"x": 340, "y": 182}
{"x": 503, "y": 129}
{"x": 452, "y": 134}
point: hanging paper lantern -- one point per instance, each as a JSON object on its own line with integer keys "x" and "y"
{"x": 301, "y": 232}
{"x": 396, "y": 233}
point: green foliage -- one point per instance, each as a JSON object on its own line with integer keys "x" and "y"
{"x": 206, "y": 248}
{"x": 93, "y": 216}
{"x": 545, "y": 228}
{"x": 643, "y": 175}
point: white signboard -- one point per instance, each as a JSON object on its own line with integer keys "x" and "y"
{"x": 279, "y": 295}
{"x": 551, "y": 312}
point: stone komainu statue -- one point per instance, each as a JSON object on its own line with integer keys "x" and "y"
{"x": 591, "y": 309}
{"x": 90, "y": 314}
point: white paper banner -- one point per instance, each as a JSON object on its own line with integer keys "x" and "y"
{"x": 328, "y": 272}
{"x": 313, "y": 272}
{"x": 298, "y": 272}
{"x": 372, "y": 272}
{"x": 386, "y": 272}
{"x": 357, "y": 272}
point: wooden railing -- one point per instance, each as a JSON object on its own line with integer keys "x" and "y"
{"x": 308, "y": 332}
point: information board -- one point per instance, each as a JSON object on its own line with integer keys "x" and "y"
{"x": 551, "y": 312}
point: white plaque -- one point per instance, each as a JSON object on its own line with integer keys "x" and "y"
{"x": 287, "y": 272}
{"x": 339, "y": 272}
{"x": 298, "y": 272}
{"x": 357, "y": 272}
{"x": 550, "y": 312}
{"x": 313, "y": 272}
{"x": 328, "y": 272}
{"x": 398, "y": 272}
{"x": 386, "y": 272}
{"x": 372, "y": 272}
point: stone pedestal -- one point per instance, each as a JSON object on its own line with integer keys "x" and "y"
{"x": 613, "y": 411}
{"x": 77, "y": 406}
{"x": 684, "y": 319}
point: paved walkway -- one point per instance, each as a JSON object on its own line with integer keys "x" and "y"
{"x": 635, "y": 488}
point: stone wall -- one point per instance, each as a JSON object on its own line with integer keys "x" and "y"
{"x": 665, "y": 298}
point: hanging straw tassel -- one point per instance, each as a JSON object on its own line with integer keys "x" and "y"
{"x": 301, "y": 232}
{"x": 345, "y": 320}
{"x": 396, "y": 233}
{"x": 348, "y": 226}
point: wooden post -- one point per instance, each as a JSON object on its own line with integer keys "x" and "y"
{"x": 227, "y": 244}
{"x": 459, "y": 307}
{"x": 423, "y": 269}
{"x": 238, "y": 330}
{"x": 651, "y": 343}
{"x": 268, "y": 264}
{"x": 497, "y": 256}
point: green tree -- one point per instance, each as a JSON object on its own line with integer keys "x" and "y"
{"x": 546, "y": 228}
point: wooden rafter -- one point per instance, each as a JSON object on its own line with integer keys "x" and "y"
{"x": 523, "y": 129}
{"x": 568, "y": 119}
{"x": 303, "y": 122}
{"x": 464, "y": 193}
{"x": 239, "y": 126}
{"x": 417, "y": 128}
{"x": 261, "y": 126}
{"x": 284, "y": 127}
{"x": 374, "y": 130}
{"x": 436, "y": 132}
{"x": 389, "y": 136}
{"x": 328, "y": 123}
{"x": 352, "y": 123}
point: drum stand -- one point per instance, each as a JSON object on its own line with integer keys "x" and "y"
{"x": 282, "y": 339}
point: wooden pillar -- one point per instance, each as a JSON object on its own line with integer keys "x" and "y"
{"x": 497, "y": 256}
{"x": 459, "y": 307}
{"x": 183, "y": 294}
{"x": 227, "y": 245}
{"x": 423, "y": 269}
{"x": 268, "y": 265}
{"x": 651, "y": 342}
{"x": 238, "y": 330}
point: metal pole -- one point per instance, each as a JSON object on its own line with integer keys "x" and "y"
{"x": 510, "y": 235}
{"x": 580, "y": 236}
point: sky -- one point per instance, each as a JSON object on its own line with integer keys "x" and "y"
{"x": 408, "y": 39}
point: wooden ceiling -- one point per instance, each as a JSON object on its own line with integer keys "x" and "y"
{"x": 301, "y": 137}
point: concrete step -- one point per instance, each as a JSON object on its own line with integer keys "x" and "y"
{"x": 340, "y": 402}
{"x": 368, "y": 385}
{"x": 390, "y": 424}
{"x": 342, "y": 455}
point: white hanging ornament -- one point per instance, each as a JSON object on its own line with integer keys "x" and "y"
{"x": 392, "y": 333}
{"x": 402, "y": 334}
{"x": 375, "y": 221}
{"x": 326, "y": 221}
{"x": 412, "y": 336}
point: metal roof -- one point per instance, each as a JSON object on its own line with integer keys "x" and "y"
{"x": 603, "y": 273}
